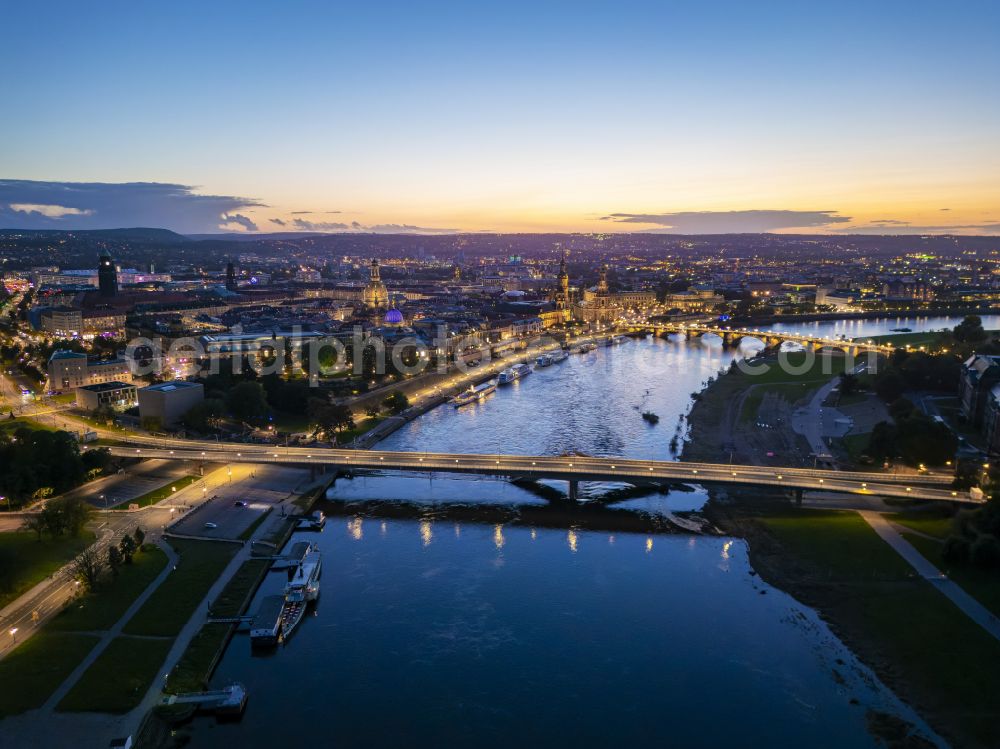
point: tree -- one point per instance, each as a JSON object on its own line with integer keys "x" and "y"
{"x": 36, "y": 523}
{"x": 889, "y": 386}
{"x": 199, "y": 415}
{"x": 87, "y": 568}
{"x": 372, "y": 410}
{"x": 114, "y": 559}
{"x": 330, "y": 417}
{"x": 140, "y": 537}
{"x": 248, "y": 402}
{"x": 127, "y": 548}
{"x": 970, "y": 330}
{"x": 396, "y": 403}
{"x": 78, "y": 512}
{"x": 849, "y": 383}
{"x": 55, "y": 521}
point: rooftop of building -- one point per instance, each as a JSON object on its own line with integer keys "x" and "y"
{"x": 171, "y": 386}
{"x": 103, "y": 387}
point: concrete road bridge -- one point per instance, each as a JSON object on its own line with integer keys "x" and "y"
{"x": 572, "y": 469}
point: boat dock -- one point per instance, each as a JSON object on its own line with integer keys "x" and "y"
{"x": 266, "y": 628}
{"x": 231, "y": 700}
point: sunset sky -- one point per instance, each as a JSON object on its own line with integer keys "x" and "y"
{"x": 689, "y": 117}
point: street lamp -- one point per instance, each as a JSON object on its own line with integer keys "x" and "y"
{"x": 13, "y": 634}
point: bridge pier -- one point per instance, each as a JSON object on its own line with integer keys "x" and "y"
{"x": 798, "y": 497}
{"x": 574, "y": 490}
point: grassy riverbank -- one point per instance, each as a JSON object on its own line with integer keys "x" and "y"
{"x": 921, "y": 645}
{"x": 916, "y": 640}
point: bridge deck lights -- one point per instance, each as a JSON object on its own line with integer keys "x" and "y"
{"x": 779, "y": 477}
{"x": 695, "y": 470}
{"x": 909, "y": 489}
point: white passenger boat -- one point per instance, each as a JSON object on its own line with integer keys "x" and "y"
{"x": 474, "y": 394}
{"x": 514, "y": 373}
{"x": 302, "y": 587}
{"x": 559, "y": 355}
{"x": 544, "y": 360}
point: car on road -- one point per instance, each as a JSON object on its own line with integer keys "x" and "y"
{"x": 211, "y": 525}
{"x": 240, "y": 503}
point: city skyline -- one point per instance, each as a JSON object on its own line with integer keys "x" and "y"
{"x": 641, "y": 118}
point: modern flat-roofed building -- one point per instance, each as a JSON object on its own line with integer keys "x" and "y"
{"x": 169, "y": 401}
{"x": 69, "y": 370}
{"x": 116, "y": 395}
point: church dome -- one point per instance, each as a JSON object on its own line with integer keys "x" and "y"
{"x": 394, "y": 317}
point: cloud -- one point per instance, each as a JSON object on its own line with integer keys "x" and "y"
{"x": 240, "y": 220}
{"x": 902, "y": 227}
{"x": 306, "y": 213}
{"x": 49, "y": 211}
{"x": 728, "y": 222}
{"x": 278, "y": 222}
{"x": 406, "y": 229}
{"x": 101, "y": 205}
{"x": 306, "y": 225}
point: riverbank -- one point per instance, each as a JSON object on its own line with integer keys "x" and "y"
{"x": 920, "y": 645}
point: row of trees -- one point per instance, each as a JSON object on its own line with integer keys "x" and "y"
{"x": 91, "y": 566}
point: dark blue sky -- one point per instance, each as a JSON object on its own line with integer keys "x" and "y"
{"x": 508, "y": 115}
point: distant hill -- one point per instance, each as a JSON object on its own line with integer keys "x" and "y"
{"x": 240, "y": 236}
{"x": 138, "y": 235}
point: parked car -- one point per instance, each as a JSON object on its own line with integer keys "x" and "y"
{"x": 239, "y": 503}
{"x": 211, "y": 525}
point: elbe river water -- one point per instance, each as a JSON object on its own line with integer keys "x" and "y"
{"x": 435, "y": 632}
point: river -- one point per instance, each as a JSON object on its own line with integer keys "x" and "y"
{"x": 434, "y": 632}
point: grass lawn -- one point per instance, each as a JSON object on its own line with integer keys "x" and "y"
{"x": 158, "y": 495}
{"x": 117, "y": 681}
{"x": 240, "y": 588}
{"x": 983, "y": 585}
{"x": 107, "y": 605}
{"x": 249, "y": 530}
{"x": 12, "y": 425}
{"x": 937, "y": 524}
{"x": 841, "y": 542}
{"x": 169, "y": 608}
{"x": 823, "y": 367}
{"x": 363, "y": 426}
{"x": 286, "y": 422}
{"x": 25, "y": 561}
{"x": 934, "y": 655}
{"x": 790, "y": 391}
{"x": 193, "y": 670}
{"x": 36, "y": 668}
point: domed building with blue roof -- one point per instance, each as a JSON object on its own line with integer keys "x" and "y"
{"x": 393, "y": 317}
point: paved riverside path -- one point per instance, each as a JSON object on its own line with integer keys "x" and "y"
{"x": 969, "y": 605}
